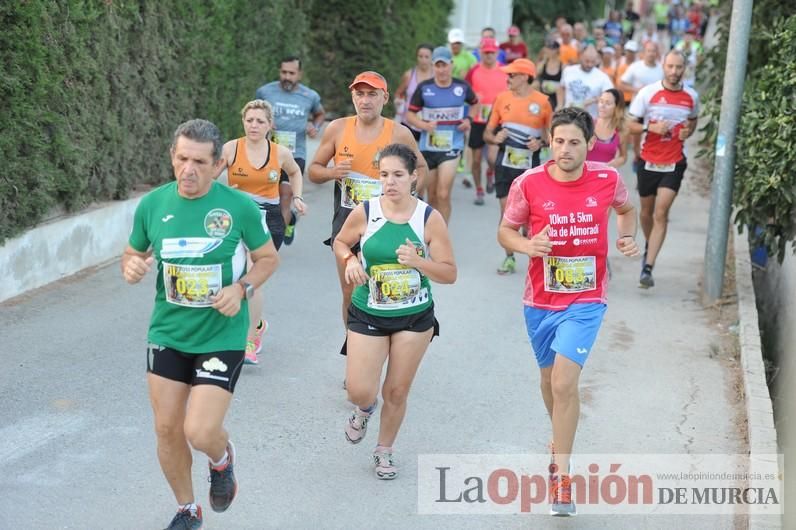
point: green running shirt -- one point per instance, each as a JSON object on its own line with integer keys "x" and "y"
{"x": 394, "y": 290}
{"x": 199, "y": 248}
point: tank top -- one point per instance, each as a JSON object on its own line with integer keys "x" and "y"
{"x": 261, "y": 184}
{"x": 604, "y": 150}
{"x": 410, "y": 89}
{"x": 393, "y": 290}
{"x": 548, "y": 83}
{"x": 362, "y": 182}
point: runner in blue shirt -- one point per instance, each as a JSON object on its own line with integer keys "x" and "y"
{"x": 298, "y": 113}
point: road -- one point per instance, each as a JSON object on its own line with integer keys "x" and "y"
{"x": 76, "y": 438}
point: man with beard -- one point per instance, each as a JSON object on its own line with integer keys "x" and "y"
{"x": 582, "y": 84}
{"x": 666, "y": 113}
{"x": 298, "y": 113}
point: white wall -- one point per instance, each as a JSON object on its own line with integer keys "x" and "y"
{"x": 474, "y": 15}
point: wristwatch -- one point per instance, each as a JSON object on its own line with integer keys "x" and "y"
{"x": 248, "y": 289}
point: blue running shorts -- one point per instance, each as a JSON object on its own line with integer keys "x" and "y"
{"x": 570, "y": 332}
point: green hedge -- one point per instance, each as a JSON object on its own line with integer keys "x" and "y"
{"x": 764, "y": 193}
{"x": 92, "y": 90}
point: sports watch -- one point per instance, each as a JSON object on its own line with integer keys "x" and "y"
{"x": 248, "y": 289}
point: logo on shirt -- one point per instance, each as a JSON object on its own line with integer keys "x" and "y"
{"x": 602, "y": 175}
{"x": 218, "y": 223}
{"x": 188, "y": 247}
{"x": 549, "y": 205}
{"x": 167, "y": 218}
{"x": 273, "y": 175}
{"x": 578, "y": 241}
{"x": 582, "y": 351}
{"x": 376, "y": 219}
{"x": 458, "y": 91}
{"x": 534, "y": 108}
{"x": 591, "y": 202}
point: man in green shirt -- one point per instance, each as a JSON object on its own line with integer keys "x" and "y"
{"x": 463, "y": 60}
{"x": 196, "y": 232}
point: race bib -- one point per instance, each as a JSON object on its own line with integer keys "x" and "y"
{"x": 516, "y": 158}
{"x": 358, "y": 188}
{"x": 191, "y": 285}
{"x": 485, "y": 111}
{"x": 659, "y": 168}
{"x": 550, "y": 87}
{"x": 394, "y": 286}
{"x": 286, "y": 138}
{"x": 570, "y": 274}
{"x": 438, "y": 140}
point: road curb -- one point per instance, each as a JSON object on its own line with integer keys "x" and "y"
{"x": 759, "y": 410}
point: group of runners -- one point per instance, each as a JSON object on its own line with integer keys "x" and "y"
{"x": 212, "y": 235}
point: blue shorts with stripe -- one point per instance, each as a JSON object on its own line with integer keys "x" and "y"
{"x": 570, "y": 332}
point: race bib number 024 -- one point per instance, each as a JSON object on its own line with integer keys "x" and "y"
{"x": 393, "y": 286}
{"x": 570, "y": 274}
{"x": 191, "y": 285}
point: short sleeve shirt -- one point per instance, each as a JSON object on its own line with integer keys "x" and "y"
{"x": 292, "y": 111}
{"x": 577, "y": 213}
{"x": 581, "y": 85}
{"x": 654, "y": 103}
{"x": 447, "y": 106}
{"x": 200, "y": 246}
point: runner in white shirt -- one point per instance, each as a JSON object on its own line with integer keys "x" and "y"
{"x": 582, "y": 84}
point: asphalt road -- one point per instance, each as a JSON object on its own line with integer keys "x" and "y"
{"x": 78, "y": 450}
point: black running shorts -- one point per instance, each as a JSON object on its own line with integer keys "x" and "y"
{"x": 367, "y": 324}
{"x": 221, "y": 368}
{"x": 650, "y": 181}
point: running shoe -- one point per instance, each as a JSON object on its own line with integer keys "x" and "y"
{"x": 290, "y": 229}
{"x": 490, "y": 181}
{"x": 253, "y": 347}
{"x": 509, "y": 266}
{"x": 561, "y": 494}
{"x": 357, "y": 425}
{"x": 646, "y": 281}
{"x": 186, "y": 519}
{"x": 223, "y": 486}
{"x": 385, "y": 467}
{"x": 479, "y": 197}
{"x": 466, "y": 182}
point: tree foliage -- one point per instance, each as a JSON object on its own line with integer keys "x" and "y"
{"x": 764, "y": 182}
{"x": 92, "y": 90}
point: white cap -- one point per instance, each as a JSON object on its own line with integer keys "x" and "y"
{"x": 631, "y": 46}
{"x": 455, "y": 35}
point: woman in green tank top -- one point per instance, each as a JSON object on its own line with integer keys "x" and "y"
{"x": 391, "y": 318}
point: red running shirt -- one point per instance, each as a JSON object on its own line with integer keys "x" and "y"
{"x": 577, "y": 212}
{"x": 654, "y": 103}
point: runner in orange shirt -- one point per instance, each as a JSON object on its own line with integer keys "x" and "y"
{"x": 519, "y": 125}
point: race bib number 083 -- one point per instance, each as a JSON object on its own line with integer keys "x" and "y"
{"x": 191, "y": 285}
{"x": 570, "y": 274}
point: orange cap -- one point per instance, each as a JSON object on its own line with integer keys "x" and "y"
{"x": 370, "y": 78}
{"x": 520, "y": 66}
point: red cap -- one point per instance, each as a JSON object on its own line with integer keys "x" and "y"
{"x": 370, "y": 78}
{"x": 514, "y": 30}
{"x": 489, "y": 44}
{"x": 520, "y": 66}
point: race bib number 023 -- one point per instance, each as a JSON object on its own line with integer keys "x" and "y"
{"x": 393, "y": 286}
{"x": 191, "y": 285}
{"x": 570, "y": 274}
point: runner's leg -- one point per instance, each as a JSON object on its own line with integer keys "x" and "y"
{"x": 406, "y": 351}
{"x": 446, "y": 173}
{"x": 347, "y": 290}
{"x": 366, "y": 356}
{"x": 566, "y": 408}
{"x": 285, "y": 200}
{"x": 204, "y": 420}
{"x": 660, "y": 216}
{"x": 169, "y": 399}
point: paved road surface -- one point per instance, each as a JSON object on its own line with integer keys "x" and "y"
{"x": 78, "y": 450}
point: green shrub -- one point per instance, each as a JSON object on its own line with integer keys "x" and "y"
{"x": 92, "y": 91}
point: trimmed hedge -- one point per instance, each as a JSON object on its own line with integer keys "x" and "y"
{"x": 764, "y": 194}
{"x": 92, "y": 91}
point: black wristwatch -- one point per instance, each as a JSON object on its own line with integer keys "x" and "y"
{"x": 248, "y": 289}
